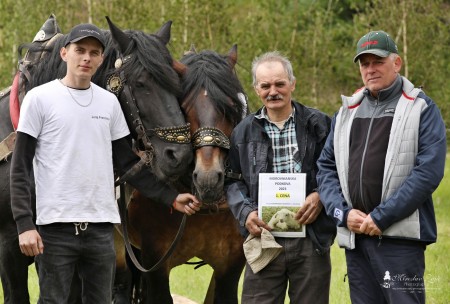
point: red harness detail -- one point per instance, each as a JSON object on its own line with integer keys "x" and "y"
{"x": 14, "y": 105}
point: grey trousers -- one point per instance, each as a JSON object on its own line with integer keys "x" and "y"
{"x": 298, "y": 269}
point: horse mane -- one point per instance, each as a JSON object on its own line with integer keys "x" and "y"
{"x": 149, "y": 53}
{"x": 212, "y": 72}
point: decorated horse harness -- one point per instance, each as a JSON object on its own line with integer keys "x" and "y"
{"x": 116, "y": 84}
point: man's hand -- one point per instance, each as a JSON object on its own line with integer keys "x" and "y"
{"x": 355, "y": 219}
{"x": 30, "y": 243}
{"x": 186, "y": 203}
{"x": 369, "y": 227}
{"x": 254, "y": 224}
{"x": 310, "y": 210}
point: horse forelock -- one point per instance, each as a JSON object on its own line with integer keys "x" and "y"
{"x": 210, "y": 71}
{"x": 150, "y": 54}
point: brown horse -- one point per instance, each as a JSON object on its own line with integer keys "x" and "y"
{"x": 214, "y": 103}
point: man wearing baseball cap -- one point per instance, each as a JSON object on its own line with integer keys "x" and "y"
{"x": 70, "y": 133}
{"x": 382, "y": 161}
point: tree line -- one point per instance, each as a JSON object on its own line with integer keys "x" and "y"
{"x": 318, "y": 36}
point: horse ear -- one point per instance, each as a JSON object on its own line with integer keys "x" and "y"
{"x": 192, "y": 50}
{"x": 119, "y": 36}
{"x": 164, "y": 32}
{"x": 232, "y": 56}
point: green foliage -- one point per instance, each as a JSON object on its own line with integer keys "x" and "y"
{"x": 318, "y": 36}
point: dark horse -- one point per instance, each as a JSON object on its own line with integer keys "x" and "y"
{"x": 140, "y": 70}
{"x": 213, "y": 103}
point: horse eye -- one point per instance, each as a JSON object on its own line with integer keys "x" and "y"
{"x": 139, "y": 84}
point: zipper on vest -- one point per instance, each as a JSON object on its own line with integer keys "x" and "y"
{"x": 363, "y": 159}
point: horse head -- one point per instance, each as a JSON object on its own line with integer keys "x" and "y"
{"x": 146, "y": 80}
{"x": 214, "y": 103}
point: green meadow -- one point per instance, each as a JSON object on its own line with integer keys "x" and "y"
{"x": 193, "y": 284}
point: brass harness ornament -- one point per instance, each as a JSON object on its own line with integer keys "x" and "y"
{"x": 181, "y": 135}
{"x": 209, "y": 136}
{"x": 116, "y": 84}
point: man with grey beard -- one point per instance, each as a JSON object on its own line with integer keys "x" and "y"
{"x": 283, "y": 136}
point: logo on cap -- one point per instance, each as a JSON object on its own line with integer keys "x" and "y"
{"x": 369, "y": 43}
{"x": 90, "y": 32}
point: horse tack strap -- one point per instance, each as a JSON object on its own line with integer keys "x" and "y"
{"x": 209, "y": 136}
{"x": 123, "y": 218}
{"x": 179, "y": 134}
{"x": 135, "y": 169}
{"x": 233, "y": 175}
{"x": 117, "y": 84}
{"x": 7, "y": 145}
{"x": 14, "y": 105}
{"x": 45, "y": 37}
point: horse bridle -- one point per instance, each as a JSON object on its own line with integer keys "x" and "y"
{"x": 210, "y": 136}
{"x": 205, "y": 136}
{"x": 117, "y": 84}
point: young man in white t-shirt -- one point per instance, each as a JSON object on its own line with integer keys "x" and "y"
{"x": 71, "y": 128}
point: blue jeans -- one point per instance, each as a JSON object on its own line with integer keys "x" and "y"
{"x": 386, "y": 271}
{"x": 90, "y": 253}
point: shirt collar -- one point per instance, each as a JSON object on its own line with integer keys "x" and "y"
{"x": 263, "y": 114}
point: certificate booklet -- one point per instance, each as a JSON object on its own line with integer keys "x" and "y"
{"x": 280, "y": 197}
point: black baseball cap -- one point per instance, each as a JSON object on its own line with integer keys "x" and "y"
{"x": 85, "y": 30}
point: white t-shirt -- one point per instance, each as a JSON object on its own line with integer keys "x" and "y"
{"x": 73, "y": 161}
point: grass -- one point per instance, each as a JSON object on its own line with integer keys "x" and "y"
{"x": 193, "y": 284}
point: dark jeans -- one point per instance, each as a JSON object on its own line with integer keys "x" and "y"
{"x": 386, "y": 271}
{"x": 91, "y": 253}
{"x": 307, "y": 273}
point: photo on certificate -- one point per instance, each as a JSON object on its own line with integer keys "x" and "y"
{"x": 280, "y": 196}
